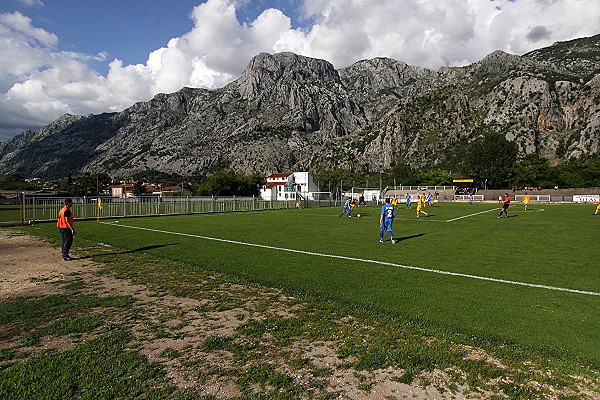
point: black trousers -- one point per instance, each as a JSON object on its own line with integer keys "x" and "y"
{"x": 66, "y": 236}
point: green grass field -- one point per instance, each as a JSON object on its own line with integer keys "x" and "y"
{"x": 316, "y": 252}
{"x": 9, "y": 214}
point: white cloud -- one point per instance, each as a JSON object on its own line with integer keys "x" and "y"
{"x": 38, "y": 81}
{"x": 32, "y": 3}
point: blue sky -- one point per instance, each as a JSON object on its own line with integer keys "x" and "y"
{"x": 126, "y": 29}
{"x": 93, "y": 56}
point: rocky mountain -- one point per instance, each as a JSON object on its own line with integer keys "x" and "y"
{"x": 289, "y": 112}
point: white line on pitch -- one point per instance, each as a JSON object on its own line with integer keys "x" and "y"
{"x": 421, "y": 219}
{"x": 470, "y": 215}
{"x": 483, "y": 278}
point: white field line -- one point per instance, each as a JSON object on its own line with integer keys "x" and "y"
{"x": 483, "y": 278}
{"x": 470, "y": 215}
{"x": 420, "y": 219}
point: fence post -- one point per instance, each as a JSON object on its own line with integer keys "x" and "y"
{"x": 84, "y": 207}
{"x": 22, "y": 201}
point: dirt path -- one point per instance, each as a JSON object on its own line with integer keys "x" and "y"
{"x": 26, "y": 263}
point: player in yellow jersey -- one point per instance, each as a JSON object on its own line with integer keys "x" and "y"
{"x": 598, "y": 208}
{"x": 420, "y": 206}
{"x": 352, "y": 206}
{"x": 526, "y": 200}
{"x": 394, "y": 201}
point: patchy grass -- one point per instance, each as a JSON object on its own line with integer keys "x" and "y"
{"x": 264, "y": 343}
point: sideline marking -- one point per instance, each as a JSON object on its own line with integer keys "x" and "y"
{"x": 483, "y": 278}
{"x": 470, "y": 215}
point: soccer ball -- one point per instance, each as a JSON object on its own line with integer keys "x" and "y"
{"x": 357, "y": 215}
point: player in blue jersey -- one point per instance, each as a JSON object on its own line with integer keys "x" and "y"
{"x": 347, "y": 208}
{"x": 408, "y": 199}
{"x": 429, "y": 200}
{"x": 388, "y": 212}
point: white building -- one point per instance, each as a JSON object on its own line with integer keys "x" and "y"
{"x": 287, "y": 186}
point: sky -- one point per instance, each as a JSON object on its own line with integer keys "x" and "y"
{"x": 83, "y": 57}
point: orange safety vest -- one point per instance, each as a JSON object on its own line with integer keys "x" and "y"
{"x": 62, "y": 220}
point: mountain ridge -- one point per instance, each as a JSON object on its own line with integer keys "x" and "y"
{"x": 288, "y": 111}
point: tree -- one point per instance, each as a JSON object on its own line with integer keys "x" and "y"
{"x": 330, "y": 180}
{"x": 88, "y": 184}
{"x": 402, "y": 174}
{"x": 154, "y": 176}
{"x": 533, "y": 170}
{"x": 489, "y": 159}
{"x": 139, "y": 188}
{"x": 579, "y": 174}
{"x": 229, "y": 183}
{"x": 16, "y": 182}
{"x": 434, "y": 177}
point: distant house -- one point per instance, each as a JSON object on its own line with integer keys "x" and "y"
{"x": 288, "y": 186}
{"x": 167, "y": 191}
{"x": 122, "y": 190}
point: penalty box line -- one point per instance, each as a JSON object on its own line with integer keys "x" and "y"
{"x": 483, "y": 278}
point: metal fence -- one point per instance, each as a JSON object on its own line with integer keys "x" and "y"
{"x": 28, "y": 209}
{"x": 25, "y": 209}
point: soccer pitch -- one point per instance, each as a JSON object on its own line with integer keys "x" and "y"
{"x": 531, "y": 280}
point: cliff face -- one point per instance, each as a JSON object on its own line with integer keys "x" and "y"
{"x": 293, "y": 112}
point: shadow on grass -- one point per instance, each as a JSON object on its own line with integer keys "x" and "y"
{"x": 409, "y": 237}
{"x": 141, "y": 249}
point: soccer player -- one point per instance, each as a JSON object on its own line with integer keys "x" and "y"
{"x": 420, "y": 205}
{"x": 526, "y": 200}
{"x": 66, "y": 228}
{"x": 471, "y": 197}
{"x": 429, "y": 200}
{"x": 388, "y": 212}
{"x": 352, "y": 206}
{"x": 407, "y": 197}
{"x": 598, "y": 208}
{"x": 505, "y": 205}
{"x": 394, "y": 200}
{"x": 347, "y": 209}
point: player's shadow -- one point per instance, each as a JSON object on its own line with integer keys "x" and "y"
{"x": 145, "y": 248}
{"x": 410, "y": 237}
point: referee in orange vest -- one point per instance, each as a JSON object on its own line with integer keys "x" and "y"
{"x": 65, "y": 226}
